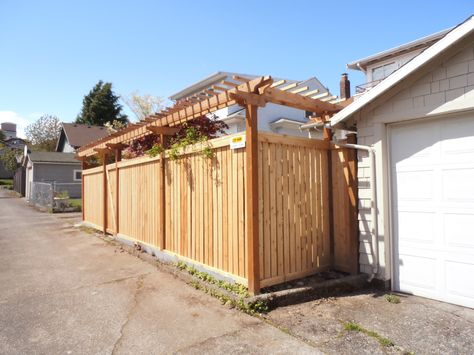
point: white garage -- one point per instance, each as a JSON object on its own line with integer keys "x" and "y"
{"x": 432, "y": 196}
{"x": 419, "y": 182}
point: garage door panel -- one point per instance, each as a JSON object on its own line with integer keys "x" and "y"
{"x": 433, "y": 208}
{"x": 459, "y": 278}
{"x": 417, "y": 271}
{"x": 458, "y": 184}
{"x": 418, "y": 227}
{"x": 415, "y": 185}
{"x": 459, "y": 231}
{"x": 415, "y": 146}
{"x": 455, "y": 140}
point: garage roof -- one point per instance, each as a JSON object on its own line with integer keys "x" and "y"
{"x": 53, "y": 157}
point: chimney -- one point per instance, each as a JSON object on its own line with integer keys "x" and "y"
{"x": 345, "y": 87}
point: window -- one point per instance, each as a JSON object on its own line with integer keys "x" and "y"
{"x": 77, "y": 175}
{"x": 382, "y": 72}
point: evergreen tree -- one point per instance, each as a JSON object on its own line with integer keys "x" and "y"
{"x": 101, "y": 106}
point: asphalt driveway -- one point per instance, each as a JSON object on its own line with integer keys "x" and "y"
{"x": 63, "y": 291}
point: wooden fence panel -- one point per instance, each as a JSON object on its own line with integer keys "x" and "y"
{"x": 93, "y": 196}
{"x": 205, "y": 212}
{"x": 139, "y": 200}
{"x": 205, "y": 206}
{"x": 293, "y": 202}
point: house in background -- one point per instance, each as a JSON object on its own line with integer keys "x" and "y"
{"x": 11, "y": 142}
{"x": 419, "y": 121}
{"x": 272, "y": 118}
{"x": 74, "y": 135}
{"x": 378, "y": 66}
{"x": 62, "y": 169}
{"x": 8, "y": 129}
{"x": 59, "y": 168}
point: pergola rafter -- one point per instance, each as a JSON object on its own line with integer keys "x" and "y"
{"x": 258, "y": 91}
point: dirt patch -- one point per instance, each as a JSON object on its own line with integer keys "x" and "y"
{"x": 367, "y": 323}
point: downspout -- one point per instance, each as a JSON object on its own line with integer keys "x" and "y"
{"x": 373, "y": 206}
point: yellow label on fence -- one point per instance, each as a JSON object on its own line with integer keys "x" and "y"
{"x": 237, "y": 142}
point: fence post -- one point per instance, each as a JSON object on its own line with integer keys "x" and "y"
{"x": 162, "y": 193}
{"x": 104, "y": 184}
{"x": 350, "y": 172}
{"x": 327, "y": 136}
{"x": 251, "y": 138}
{"x": 53, "y": 189}
{"x": 103, "y": 153}
{"x": 83, "y": 167}
{"x": 344, "y": 209}
{"x": 118, "y": 158}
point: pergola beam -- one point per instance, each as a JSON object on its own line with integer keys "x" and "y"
{"x": 195, "y": 108}
{"x": 166, "y": 131}
{"x": 297, "y": 101}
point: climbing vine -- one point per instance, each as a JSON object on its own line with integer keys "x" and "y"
{"x": 178, "y": 145}
{"x": 198, "y": 130}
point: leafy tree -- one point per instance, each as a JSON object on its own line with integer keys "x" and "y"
{"x": 2, "y": 137}
{"x": 44, "y": 133}
{"x": 100, "y": 106}
{"x": 143, "y": 105}
{"x": 9, "y": 158}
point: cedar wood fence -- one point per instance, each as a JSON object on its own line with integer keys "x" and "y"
{"x": 307, "y": 206}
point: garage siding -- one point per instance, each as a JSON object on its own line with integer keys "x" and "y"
{"x": 448, "y": 88}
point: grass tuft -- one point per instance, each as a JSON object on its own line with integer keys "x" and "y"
{"x": 6, "y": 182}
{"x": 353, "y": 326}
{"x": 392, "y": 298}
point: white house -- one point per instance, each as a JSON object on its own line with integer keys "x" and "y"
{"x": 273, "y": 118}
{"x": 378, "y": 66}
{"x": 419, "y": 121}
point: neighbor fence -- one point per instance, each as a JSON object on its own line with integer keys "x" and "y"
{"x": 53, "y": 196}
{"x": 302, "y": 216}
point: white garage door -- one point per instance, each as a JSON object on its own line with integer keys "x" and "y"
{"x": 432, "y": 178}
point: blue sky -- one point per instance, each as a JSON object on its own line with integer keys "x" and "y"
{"x": 53, "y": 52}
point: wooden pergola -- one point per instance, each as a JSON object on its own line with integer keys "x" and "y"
{"x": 250, "y": 94}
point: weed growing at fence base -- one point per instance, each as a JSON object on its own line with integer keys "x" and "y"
{"x": 76, "y": 203}
{"x": 239, "y": 290}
